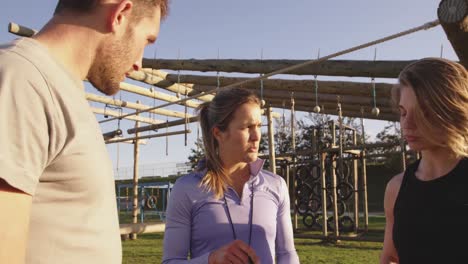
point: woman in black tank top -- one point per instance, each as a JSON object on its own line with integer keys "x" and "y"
{"x": 426, "y": 207}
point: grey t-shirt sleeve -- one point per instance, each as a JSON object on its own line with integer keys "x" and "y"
{"x": 24, "y": 129}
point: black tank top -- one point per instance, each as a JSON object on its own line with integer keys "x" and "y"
{"x": 431, "y": 217}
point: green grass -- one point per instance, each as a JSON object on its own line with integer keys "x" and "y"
{"x": 349, "y": 252}
{"x": 148, "y": 248}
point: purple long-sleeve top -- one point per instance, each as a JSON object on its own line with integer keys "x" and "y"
{"x": 198, "y": 224}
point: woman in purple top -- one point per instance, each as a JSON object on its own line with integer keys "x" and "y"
{"x": 230, "y": 210}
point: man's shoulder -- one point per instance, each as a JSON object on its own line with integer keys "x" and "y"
{"x": 16, "y": 60}
{"x": 27, "y": 52}
{"x": 10, "y": 55}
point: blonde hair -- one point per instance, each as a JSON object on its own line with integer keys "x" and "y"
{"x": 219, "y": 113}
{"x": 441, "y": 89}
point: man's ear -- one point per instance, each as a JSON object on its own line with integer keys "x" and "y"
{"x": 119, "y": 15}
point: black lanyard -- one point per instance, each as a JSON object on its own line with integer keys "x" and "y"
{"x": 251, "y": 215}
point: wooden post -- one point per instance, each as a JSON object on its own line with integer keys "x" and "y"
{"x": 293, "y": 124}
{"x": 364, "y": 190}
{"x": 292, "y": 196}
{"x": 294, "y": 199}
{"x": 271, "y": 142}
{"x": 294, "y": 170}
{"x": 333, "y": 131}
{"x": 322, "y": 157}
{"x": 355, "y": 186}
{"x": 364, "y": 177}
{"x": 136, "y": 154}
{"x": 336, "y": 230}
{"x": 453, "y": 16}
{"x": 340, "y": 139}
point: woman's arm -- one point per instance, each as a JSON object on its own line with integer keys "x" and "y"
{"x": 389, "y": 253}
{"x": 177, "y": 235}
{"x": 285, "y": 250}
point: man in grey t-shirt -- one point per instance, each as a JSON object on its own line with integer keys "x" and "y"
{"x": 57, "y": 197}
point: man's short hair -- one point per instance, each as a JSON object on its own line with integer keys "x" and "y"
{"x": 142, "y": 7}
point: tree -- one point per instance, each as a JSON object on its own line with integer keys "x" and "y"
{"x": 390, "y": 134}
{"x": 306, "y": 128}
{"x": 283, "y": 137}
{"x": 197, "y": 153}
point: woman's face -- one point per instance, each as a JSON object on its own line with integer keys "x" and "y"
{"x": 240, "y": 141}
{"x": 408, "y": 104}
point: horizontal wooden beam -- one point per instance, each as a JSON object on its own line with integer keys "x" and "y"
{"x": 164, "y": 125}
{"x": 20, "y": 30}
{"x": 112, "y": 134}
{"x": 141, "y": 228}
{"x": 153, "y": 79}
{"x": 107, "y": 112}
{"x": 175, "y": 123}
{"x": 155, "y": 94}
{"x": 286, "y": 104}
{"x": 167, "y": 134}
{"x": 345, "y": 99}
{"x": 350, "y": 68}
{"x": 107, "y": 100}
{"x": 188, "y": 86}
{"x": 334, "y": 238}
{"x": 324, "y": 87}
{"x": 355, "y": 114}
{"x": 140, "y": 142}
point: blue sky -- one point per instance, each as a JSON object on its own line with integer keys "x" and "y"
{"x": 242, "y": 29}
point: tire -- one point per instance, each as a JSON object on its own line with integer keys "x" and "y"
{"x": 151, "y": 202}
{"x": 346, "y": 224}
{"x": 309, "y": 220}
{"x": 344, "y": 190}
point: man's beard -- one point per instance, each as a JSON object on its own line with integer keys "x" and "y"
{"x": 111, "y": 63}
